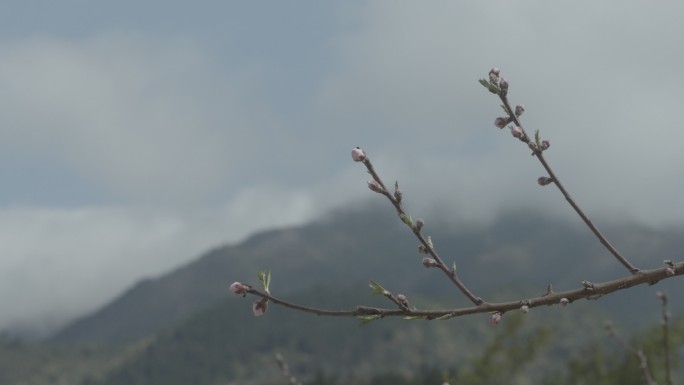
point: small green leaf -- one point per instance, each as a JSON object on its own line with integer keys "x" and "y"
{"x": 408, "y": 221}
{"x": 445, "y": 316}
{"x": 493, "y": 88}
{"x": 366, "y": 319}
{"x": 537, "y": 138}
{"x": 453, "y": 267}
{"x": 377, "y": 289}
{"x": 265, "y": 280}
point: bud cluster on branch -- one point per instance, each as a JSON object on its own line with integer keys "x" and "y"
{"x": 498, "y": 85}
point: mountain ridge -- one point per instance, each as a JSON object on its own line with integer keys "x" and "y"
{"x": 350, "y": 248}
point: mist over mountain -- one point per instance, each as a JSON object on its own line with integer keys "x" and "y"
{"x": 520, "y": 252}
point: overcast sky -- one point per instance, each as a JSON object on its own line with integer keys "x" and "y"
{"x": 136, "y": 135}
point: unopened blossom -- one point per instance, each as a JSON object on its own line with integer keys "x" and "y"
{"x": 238, "y": 288}
{"x": 519, "y": 109}
{"x": 517, "y": 132}
{"x": 545, "y": 144}
{"x": 503, "y": 84}
{"x": 260, "y": 307}
{"x": 525, "y": 309}
{"x": 373, "y": 185}
{"x": 544, "y": 180}
{"x": 494, "y": 75}
{"x": 495, "y": 318}
{"x": 564, "y": 301}
{"x": 358, "y": 155}
{"x": 420, "y": 223}
{"x": 501, "y": 122}
{"x": 429, "y": 262}
{"x": 402, "y": 300}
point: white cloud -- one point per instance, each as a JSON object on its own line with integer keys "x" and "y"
{"x": 61, "y": 263}
{"x": 600, "y": 82}
{"x": 147, "y": 119}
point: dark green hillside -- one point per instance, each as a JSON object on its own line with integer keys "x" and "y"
{"x": 227, "y": 345}
{"x": 522, "y": 250}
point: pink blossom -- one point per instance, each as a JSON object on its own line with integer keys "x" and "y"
{"x": 495, "y": 318}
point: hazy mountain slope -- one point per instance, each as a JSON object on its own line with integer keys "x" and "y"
{"x": 521, "y": 250}
{"x": 226, "y": 345}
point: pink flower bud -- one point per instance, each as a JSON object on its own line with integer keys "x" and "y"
{"x": 494, "y": 75}
{"x": 564, "y": 301}
{"x": 238, "y": 288}
{"x": 495, "y": 318}
{"x": 517, "y": 132}
{"x": 420, "y": 223}
{"x": 525, "y": 309}
{"x": 358, "y": 155}
{"x": 429, "y": 262}
{"x": 670, "y": 271}
{"x": 402, "y": 300}
{"x": 501, "y": 122}
{"x": 519, "y": 109}
{"x": 374, "y": 186}
{"x": 545, "y": 144}
{"x": 260, "y": 307}
{"x": 503, "y": 84}
{"x": 544, "y": 180}
{"x": 532, "y": 146}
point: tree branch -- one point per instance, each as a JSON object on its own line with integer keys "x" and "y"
{"x": 587, "y": 291}
{"x": 537, "y": 151}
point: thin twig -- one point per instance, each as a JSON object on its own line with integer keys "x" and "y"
{"x": 587, "y": 291}
{"x": 538, "y": 153}
{"x": 666, "y": 346}
{"x": 291, "y": 379}
{"x": 639, "y": 353}
{"x": 451, "y": 273}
